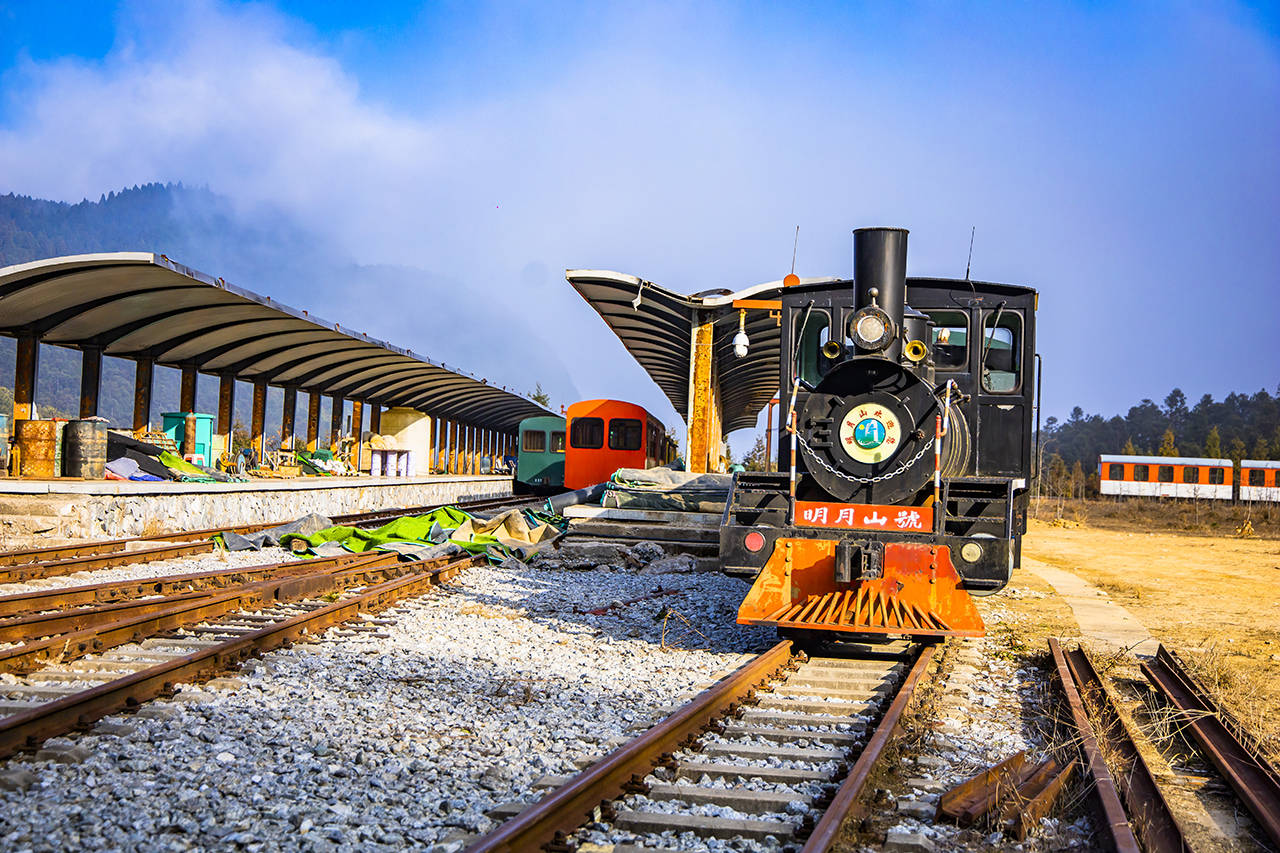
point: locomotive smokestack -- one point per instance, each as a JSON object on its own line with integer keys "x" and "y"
{"x": 880, "y": 261}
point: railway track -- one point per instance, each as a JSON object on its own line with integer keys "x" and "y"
{"x": 28, "y": 564}
{"x": 777, "y": 752}
{"x": 136, "y": 649}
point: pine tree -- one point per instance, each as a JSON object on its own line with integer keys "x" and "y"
{"x": 755, "y": 460}
{"x": 1167, "y": 447}
{"x": 1213, "y": 444}
{"x": 1129, "y": 449}
{"x": 1261, "y": 449}
{"x": 1238, "y": 450}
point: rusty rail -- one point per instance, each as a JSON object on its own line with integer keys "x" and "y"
{"x": 1115, "y": 821}
{"x": 1150, "y": 814}
{"x": 28, "y": 728}
{"x": 1247, "y": 772}
{"x": 188, "y": 611}
{"x": 569, "y": 806}
{"x": 824, "y": 834}
{"x": 113, "y": 591}
{"x": 111, "y": 559}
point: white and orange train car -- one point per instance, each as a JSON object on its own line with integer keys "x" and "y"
{"x": 1259, "y": 480}
{"x": 1166, "y": 477}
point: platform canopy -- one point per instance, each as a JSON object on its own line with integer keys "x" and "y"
{"x": 140, "y": 305}
{"x": 657, "y": 326}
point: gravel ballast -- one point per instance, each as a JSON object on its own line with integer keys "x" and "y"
{"x": 404, "y": 737}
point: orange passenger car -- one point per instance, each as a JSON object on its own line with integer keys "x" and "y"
{"x": 605, "y": 435}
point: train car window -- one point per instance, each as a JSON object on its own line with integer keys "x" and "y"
{"x": 812, "y": 363}
{"x": 1216, "y": 477}
{"x": 1115, "y": 471}
{"x": 557, "y": 441}
{"x": 1165, "y": 473}
{"x": 950, "y": 344}
{"x": 587, "y": 433}
{"x": 1140, "y": 474}
{"x": 1190, "y": 474}
{"x": 625, "y": 434}
{"x": 1002, "y": 343}
{"x": 535, "y": 441}
{"x": 1257, "y": 477}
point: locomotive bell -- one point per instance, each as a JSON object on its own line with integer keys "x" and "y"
{"x": 880, "y": 289}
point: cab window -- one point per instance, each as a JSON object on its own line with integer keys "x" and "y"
{"x": 625, "y": 434}
{"x": 587, "y": 433}
{"x": 1002, "y": 348}
{"x": 534, "y": 441}
{"x": 557, "y": 441}
{"x": 949, "y": 339}
{"x": 813, "y": 364}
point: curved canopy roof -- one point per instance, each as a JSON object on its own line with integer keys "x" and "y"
{"x": 141, "y": 305}
{"x": 656, "y": 326}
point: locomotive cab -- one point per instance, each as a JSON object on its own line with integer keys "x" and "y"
{"x": 903, "y": 455}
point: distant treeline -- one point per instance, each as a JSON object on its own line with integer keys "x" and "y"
{"x": 1241, "y": 426}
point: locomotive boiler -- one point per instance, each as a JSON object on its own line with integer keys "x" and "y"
{"x": 904, "y": 453}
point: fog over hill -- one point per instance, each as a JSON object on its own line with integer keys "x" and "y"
{"x": 264, "y": 251}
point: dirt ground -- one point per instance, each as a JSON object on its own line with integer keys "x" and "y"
{"x": 1214, "y": 599}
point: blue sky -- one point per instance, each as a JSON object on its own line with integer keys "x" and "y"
{"x": 1121, "y": 158}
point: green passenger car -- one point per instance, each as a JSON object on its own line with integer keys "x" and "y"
{"x": 540, "y": 464}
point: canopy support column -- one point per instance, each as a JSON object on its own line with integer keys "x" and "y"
{"x": 187, "y": 392}
{"x": 357, "y": 430}
{"x": 258, "y": 421}
{"x": 375, "y": 418}
{"x": 705, "y": 439}
{"x": 226, "y": 409}
{"x": 142, "y": 376}
{"x": 313, "y": 421}
{"x": 452, "y": 465}
{"x": 24, "y": 376}
{"x": 90, "y": 380}
{"x": 335, "y": 422}
{"x": 288, "y": 414}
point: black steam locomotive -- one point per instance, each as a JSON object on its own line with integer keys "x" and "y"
{"x": 904, "y": 452}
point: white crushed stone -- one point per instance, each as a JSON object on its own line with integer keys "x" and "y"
{"x": 364, "y": 742}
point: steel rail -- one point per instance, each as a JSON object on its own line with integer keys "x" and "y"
{"x": 27, "y": 728}
{"x": 1119, "y": 832}
{"x": 76, "y": 644}
{"x": 1248, "y": 773}
{"x": 1149, "y": 812}
{"x": 113, "y": 591}
{"x": 569, "y": 806}
{"x": 47, "y": 620}
{"x": 825, "y": 833}
{"x": 27, "y": 571}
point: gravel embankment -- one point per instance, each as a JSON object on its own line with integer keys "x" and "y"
{"x": 381, "y": 742}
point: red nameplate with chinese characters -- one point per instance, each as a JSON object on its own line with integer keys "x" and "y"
{"x": 913, "y": 519}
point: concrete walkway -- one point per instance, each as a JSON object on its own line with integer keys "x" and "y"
{"x": 1101, "y": 619}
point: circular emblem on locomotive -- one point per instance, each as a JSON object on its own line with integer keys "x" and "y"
{"x": 870, "y": 433}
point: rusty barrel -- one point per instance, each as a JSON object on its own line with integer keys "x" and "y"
{"x": 85, "y": 449}
{"x": 36, "y": 444}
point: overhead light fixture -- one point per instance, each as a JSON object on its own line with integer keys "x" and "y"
{"x": 740, "y": 340}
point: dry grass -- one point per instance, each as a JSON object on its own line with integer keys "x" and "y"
{"x": 1165, "y": 515}
{"x": 1244, "y": 696}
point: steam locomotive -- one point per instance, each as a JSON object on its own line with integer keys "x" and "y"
{"x": 904, "y": 453}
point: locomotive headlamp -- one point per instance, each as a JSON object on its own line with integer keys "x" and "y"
{"x": 871, "y": 329}
{"x": 740, "y": 340}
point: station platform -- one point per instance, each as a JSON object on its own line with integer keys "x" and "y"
{"x": 34, "y": 512}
